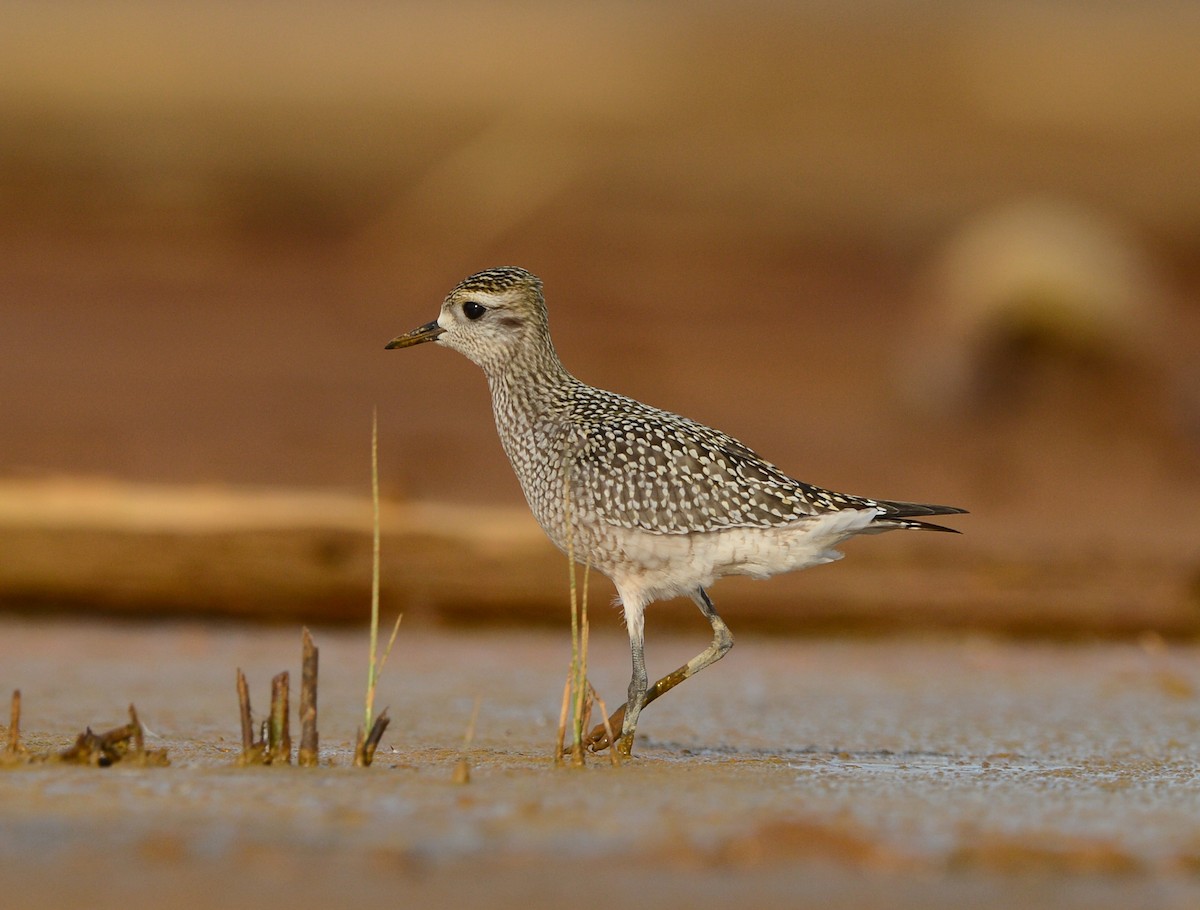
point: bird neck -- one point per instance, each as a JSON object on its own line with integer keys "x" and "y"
{"x": 530, "y": 385}
{"x": 533, "y": 369}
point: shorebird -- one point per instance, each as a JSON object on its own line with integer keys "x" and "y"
{"x": 659, "y": 503}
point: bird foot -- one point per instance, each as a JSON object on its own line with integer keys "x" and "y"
{"x": 598, "y": 740}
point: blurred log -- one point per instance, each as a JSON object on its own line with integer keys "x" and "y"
{"x": 152, "y": 551}
{"x": 260, "y": 554}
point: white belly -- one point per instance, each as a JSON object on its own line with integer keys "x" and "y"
{"x": 660, "y": 566}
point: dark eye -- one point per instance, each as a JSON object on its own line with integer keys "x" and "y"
{"x": 473, "y": 310}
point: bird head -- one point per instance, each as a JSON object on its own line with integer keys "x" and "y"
{"x": 492, "y": 318}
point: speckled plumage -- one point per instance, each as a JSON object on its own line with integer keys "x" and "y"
{"x": 661, "y": 504}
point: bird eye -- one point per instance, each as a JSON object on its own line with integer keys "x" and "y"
{"x": 473, "y": 310}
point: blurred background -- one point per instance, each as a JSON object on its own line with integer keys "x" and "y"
{"x": 942, "y": 252}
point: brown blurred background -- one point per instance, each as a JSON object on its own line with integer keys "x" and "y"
{"x": 937, "y": 252}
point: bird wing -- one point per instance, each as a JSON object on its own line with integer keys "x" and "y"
{"x": 639, "y": 467}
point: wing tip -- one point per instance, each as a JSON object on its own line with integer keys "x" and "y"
{"x": 908, "y": 515}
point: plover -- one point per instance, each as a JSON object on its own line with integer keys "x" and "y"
{"x": 659, "y": 503}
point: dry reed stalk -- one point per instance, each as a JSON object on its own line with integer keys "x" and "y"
{"x": 371, "y": 657}
{"x": 462, "y": 768}
{"x": 562, "y": 719}
{"x": 366, "y": 744}
{"x": 613, "y": 757}
{"x": 577, "y": 679}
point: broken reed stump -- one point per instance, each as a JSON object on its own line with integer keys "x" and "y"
{"x": 308, "y": 755}
{"x": 279, "y": 740}
{"x": 14, "y": 753}
{"x": 14, "y": 724}
{"x": 254, "y": 751}
{"x": 123, "y": 743}
{"x": 364, "y": 750}
{"x": 104, "y": 749}
{"x": 126, "y": 744}
{"x": 274, "y": 745}
{"x": 244, "y": 712}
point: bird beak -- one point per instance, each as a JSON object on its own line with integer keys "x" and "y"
{"x": 428, "y": 332}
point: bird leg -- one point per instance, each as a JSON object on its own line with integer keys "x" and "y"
{"x": 598, "y": 740}
{"x": 636, "y": 698}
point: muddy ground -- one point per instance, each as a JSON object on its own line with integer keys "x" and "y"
{"x": 908, "y": 772}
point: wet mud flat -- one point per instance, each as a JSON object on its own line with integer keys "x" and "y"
{"x": 907, "y": 771}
